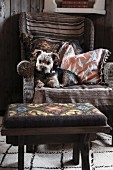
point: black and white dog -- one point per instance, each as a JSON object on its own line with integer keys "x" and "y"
{"x": 48, "y": 73}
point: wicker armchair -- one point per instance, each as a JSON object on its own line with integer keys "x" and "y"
{"x": 38, "y": 25}
{"x": 27, "y": 35}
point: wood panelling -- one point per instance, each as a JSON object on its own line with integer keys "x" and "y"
{"x": 108, "y": 25}
{"x": 25, "y": 5}
{"x": 35, "y": 5}
{"x": 10, "y": 81}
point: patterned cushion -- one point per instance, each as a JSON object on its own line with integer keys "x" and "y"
{"x": 71, "y": 47}
{"x": 88, "y": 66}
{"x": 75, "y": 44}
{"x": 53, "y": 115}
{"x": 47, "y": 45}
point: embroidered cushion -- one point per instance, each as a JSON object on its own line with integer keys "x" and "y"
{"x": 30, "y": 115}
{"x": 47, "y": 45}
{"x": 88, "y": 66}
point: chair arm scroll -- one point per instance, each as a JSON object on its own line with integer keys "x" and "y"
{"x": 25, "y": 69}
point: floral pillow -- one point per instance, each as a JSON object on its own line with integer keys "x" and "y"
{"x": 88, "y": 66}
{"x": 47, "y": 45}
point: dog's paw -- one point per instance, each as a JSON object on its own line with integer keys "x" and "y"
{"x": 56, "y": 85}
{"x": 40, "y": 84}
{"x": 53, "y": 84}
{"x": 61, "y": 85}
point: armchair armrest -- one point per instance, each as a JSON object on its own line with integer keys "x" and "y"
{"x": 28, "y": 89}
{"x": 25, "y": 69}
{"x": 108, "y": 74}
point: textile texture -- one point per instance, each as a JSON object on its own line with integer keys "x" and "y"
{"x": 88, "y": 66}
{"x": 97, "y": 94}
{"x": 101, "y": 96}
{"x": 53, "y": 115}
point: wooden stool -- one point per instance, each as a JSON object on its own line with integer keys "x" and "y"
{"x": 32, "y": 124}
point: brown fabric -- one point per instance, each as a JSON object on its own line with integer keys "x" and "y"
{"x": 47, "y": 45}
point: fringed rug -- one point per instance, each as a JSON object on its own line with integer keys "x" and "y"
{"x": 58, "y": 157}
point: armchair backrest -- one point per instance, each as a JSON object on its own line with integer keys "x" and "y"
{"x": 56, "y": 27}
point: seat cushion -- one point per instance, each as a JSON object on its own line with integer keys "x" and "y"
{"x": 53, "y": 115}
{"x": 101, "y": 96}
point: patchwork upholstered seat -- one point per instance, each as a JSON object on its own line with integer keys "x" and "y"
{"x": 53, "y": 115}
{"x": 57, "y": 28}
{"x": 32, "y": 124}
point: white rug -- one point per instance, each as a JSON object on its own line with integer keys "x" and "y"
{"x": 58, "y": 157}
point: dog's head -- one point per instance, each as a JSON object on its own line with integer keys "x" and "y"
{"x": 45, "y": 61}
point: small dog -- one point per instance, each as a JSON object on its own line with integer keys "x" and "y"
{"x": 47, "y": 72}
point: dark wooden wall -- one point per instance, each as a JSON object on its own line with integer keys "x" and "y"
{"x": 104, "y": 28}
{"x": 10, "y": 81}
{"x": 108, "y": 27}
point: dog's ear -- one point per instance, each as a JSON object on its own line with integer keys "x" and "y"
{"x": 56, "y": 59}
{"x": 36, "y": 52}
{"x": 34, "y": 56}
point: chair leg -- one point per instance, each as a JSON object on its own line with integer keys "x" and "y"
{"x": 76, "y": 153}
{"x": 112, "y": 137}
{"x": 21, "y": 157}
{"x": 111, "y": 133}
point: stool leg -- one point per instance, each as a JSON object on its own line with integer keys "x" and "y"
{"x": 21, "y": 157}
{"x": 76, "y": 153}
{"x": 111, "y": 132}
{"x": 84, "y": 146}
{"x": 112, "y": 139}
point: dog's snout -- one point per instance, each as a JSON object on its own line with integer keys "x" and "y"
{"x": 43, "y": 68}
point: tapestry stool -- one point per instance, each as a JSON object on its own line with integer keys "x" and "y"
{"x": 32, "y": 124}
